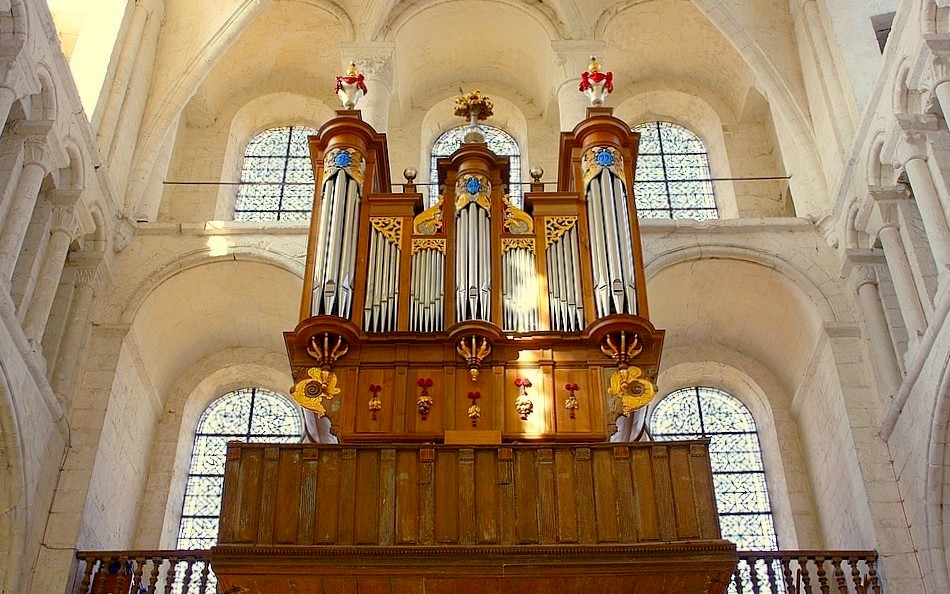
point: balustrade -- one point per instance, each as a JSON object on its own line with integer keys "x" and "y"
{"x": 146, "y": 572}
{"x": 806, "y": 572}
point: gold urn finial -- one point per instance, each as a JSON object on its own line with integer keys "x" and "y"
{"x": 352, "y": 70}
{"x": 474, "y": 106}
{"x": 594, "y": 65}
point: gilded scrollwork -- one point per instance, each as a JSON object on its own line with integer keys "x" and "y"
{"x": 518, "y": 243}
{"x": 346, "y": 159}
{"x": 428, "y": 244}
{"x": 472, "y": 187}
{"x": 597, "y": 158}
{"x": 556, "y": 227}
{"x": 311, "y": 391}
{"x": 633, "y": 391}
{"x": 429, "y": 221}
{"x": 517, "y": 221}
{"x": 390, "y": 227}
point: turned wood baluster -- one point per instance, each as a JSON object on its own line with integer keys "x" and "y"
{"x": 103, "y": 571}
{"x": 872, "y": 575}
{"x": 787, "y": 574}
{"x": 87, "y": 575}
{"x": 859, "y": 585}
{"x": 205, "y": 571}
{"x": 839, "y": 575}
{"x": 770, "y": 572}
{"x": 805, "y": 574}
{"x": 737, "y": 578}
{"x": 117, "y": 588}
{"x": 753, "y": 576}
{"x": 153, "y": 578}
{"x": 822, "y": 575}
{"x": 171, "y": 573}
{"x": 137, "y": 574}
{"x": 186, "y": 580}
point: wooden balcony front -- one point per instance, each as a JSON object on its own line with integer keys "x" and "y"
{"x": 511, "y": 518}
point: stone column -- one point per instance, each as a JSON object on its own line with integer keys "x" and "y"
{"x": 123, "y": 74}
{"x": 572, "y": 58}
{"x": 912, "y": 155}
{"x": 882, "y": 351}
{"x": 375, "y": 61}
{"x": 903, "y": 278}
{"x": 64, "y": 372}
{"x": 36, "y": 166}
{"x": 51, "y": 270}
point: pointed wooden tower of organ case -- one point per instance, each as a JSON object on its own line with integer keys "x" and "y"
{"x": 472, "y": 357}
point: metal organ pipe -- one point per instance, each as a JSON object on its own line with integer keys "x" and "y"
{"x": 564, "y": 275}
{"x": 335, "y": 254}
{"x": 382, "y": 283}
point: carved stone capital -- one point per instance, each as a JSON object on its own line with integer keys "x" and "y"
{"x": 374, "y": 59}
{"x": 63, "y": 220}
{"x": 864, "y": 275}
{"x": 861, "y": 264}
{"x": 888, "y": 194}
{"x": 912, "y": 136}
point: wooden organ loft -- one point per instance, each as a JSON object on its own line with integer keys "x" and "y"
{"x": 473, "y": 357}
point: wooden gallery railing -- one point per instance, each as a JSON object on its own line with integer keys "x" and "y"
{"x": 758, "y": 572}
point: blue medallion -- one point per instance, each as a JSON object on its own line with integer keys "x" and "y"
{"x": 343, "y": 159}
{"x": 605, "y": 158}
{"x": 473, "y": 185}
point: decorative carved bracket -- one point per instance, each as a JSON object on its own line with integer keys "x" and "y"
{"x": 326, "y": 355}
{"x": 617, "y": 348}
{"x": 474, "y": 351}
{"x": 424, "y": 402}
{"x": 523, "y": 404}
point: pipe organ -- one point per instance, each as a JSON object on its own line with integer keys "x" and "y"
{"x": 475, "y": 294}
{"x": 473, "y": 358}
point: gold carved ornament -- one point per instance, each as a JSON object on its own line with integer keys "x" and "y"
{"x": 429, "y": 221}
{"x": 556, "y": 227}
{"x": 472, "y": 187}
{"x": 520, "y": 243}
{"x": 474, "y": 352}
{"x": 627, "y": 383}
{"x": 345, "y": 159}
{"x": 474, "y": 104}
{"x": 310, "y": 392}
{"x": 633, "y": 391}
{"x": 428, "y": 244}
{"x": 597, "y": 158}
{"x": 390, "y": 227}
{"x": 321, "y": 382}
{"x": 517, "y": 221}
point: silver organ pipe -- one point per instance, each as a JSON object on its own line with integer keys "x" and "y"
{"x": 564, "y": 275}
{"x": 609, "y": 221}
{"x": 473, "y": 248}
{"x": 382, "y": 286}
{"x": 427, "y": 278}
{"x": 519, "y": 285}
{"x": 335, "y": 259}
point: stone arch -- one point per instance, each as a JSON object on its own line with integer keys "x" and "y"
{"x": 770, "y": 405}
{"x": 509, "y": 116}
{"x": 12, "y": 489}
{"x": 282, "y": 109}
{"x": 166, "y": 105}
{"x": 937, "y": 485}
{"x": 785, "y": 100}
{"x": 933, "y": 18}
{"x": 14, "y": 28}
{"x": 43, "y": 104}
{"x": 728, "y": 295}
{"x": 901, "y": 93}
{"x": 388, "y": 25}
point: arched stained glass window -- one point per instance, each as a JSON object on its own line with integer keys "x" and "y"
{"x": 499, "y": 142}
{"x": 673, "y": 179}
{"x": 276, "y": 177}
{"x": 248, "y": 415}
{"x": 745, "y": 513}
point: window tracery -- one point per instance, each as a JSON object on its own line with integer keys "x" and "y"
{"x": 673, "y": 180}
{"x": 248, "y": 415}
{"x": 745, "y": 511}
{"x": 499, "y": 142}
{"x": 276, "y": 177}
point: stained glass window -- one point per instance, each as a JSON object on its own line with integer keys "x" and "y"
{"x": 248, "y": 415}
{"x": 673, "y": 179}
{"x": 499, "y": 142}
{"x": 276, "y": 177}
{"x": 745, "y": 514}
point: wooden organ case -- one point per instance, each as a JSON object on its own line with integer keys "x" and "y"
{"x": 472, "y": 357}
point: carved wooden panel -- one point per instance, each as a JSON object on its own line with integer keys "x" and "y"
{"x": 499, "y": 495}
